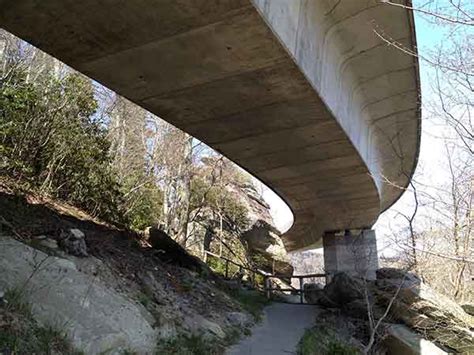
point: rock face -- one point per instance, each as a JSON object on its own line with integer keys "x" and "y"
{"x": 257, "y": 208}
{"x": 124, "y": 295}
{"x": 413, "y": 303}
{"x": 266, "y": 249}
{"x": 262, "y": 240}
{"x": 426, "y": 311}
{"x": 197, "y": 324}
{"x": 96, "y": 317}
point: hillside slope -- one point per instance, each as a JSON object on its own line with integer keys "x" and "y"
{"x": 117, "y": 293}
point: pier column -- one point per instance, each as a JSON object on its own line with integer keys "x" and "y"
{"x": 353, "y": 252}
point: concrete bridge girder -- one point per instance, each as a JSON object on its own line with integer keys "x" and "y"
{"x": 303, "y": 94}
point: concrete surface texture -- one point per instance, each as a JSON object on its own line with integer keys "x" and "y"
{"x": 353, "y": 252}
{"x": 304, "y": 94}
{"x": 280, "y": 331}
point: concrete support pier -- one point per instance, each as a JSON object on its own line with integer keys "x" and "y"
{"x": 353, "y": 252}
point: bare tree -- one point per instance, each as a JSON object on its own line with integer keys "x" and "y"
{"x": 439, "y": 226}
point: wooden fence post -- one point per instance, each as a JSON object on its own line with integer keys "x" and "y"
{"x": 301, "y": 289}
{"x": 268, "y": 285}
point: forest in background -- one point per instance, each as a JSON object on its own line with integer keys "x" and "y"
{"x": 63, "y": 135}
{"x": 430, "y": 230}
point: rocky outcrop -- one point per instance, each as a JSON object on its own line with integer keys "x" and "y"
{"x": 241, "y": 212}
{"x": 344, "y": 289}
{"x": 256, "y": 206}
{"x": 431, "y": 315}
{"x": 266, "y": 249}
{"x": 264, "y": 245}
{"x": 262, "y": 240}
{"x": 428, "y": 312}
{"x": 73, "y": 242}
{"x": 96, "y": 318}
{"x": 109, "y": 300}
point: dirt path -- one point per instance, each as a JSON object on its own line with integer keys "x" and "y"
{"x": 282, "y": 327}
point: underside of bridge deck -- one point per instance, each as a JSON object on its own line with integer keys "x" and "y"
{"x": 307, "y": 95}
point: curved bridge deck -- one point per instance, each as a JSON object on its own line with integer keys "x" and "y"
{"x": 303, "y": 94}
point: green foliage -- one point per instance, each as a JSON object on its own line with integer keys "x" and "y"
{"x": 185, "y": 344}
{"x": 187, "y": 285}
{"x": 217, "y": 197}
{"x": 259, "y": 279}
{"x": 251, "y": 300}
{"x": 21, "y": 334}
{"x": 218, "y": 266}
{"x": 14, "y": 298}
{"x": 143, "y": 207}
{"x": 60, "y": 136}
{"x": 233, "y": 334}
{"x": 50, "y": 137}
{"x": 144, "y": 299}
{"x": 323, "y": 341}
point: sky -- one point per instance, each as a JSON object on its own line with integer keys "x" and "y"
{"x": 432, "y": 166}
{"x": 432, "y": 147}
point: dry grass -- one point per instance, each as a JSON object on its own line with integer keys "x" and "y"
{"x": 21, "y": 334}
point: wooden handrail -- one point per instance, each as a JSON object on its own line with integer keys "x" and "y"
{"x": 308, "y": 276}
{"x": 275, "y": 275}
{"x": 267, "y": 283}
{"x": 231, "y": 261}
{"x": 283, "y": 289}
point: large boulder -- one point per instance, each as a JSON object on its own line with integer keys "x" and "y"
{"x": 170, "y": 251}
{"x": 199, "y": 325}
{"x": 266, "y": 249}
{"x": 351, "y": 294}
{"x": 97, "y": 318}
{"x": 413, "y": 303}
{"x": 73, "y": 242}
{"x": 432, "y": 314}
{"x": 344, "y": 289}
{"x": 401, "y": 340}
{"x": 312, "y": 292}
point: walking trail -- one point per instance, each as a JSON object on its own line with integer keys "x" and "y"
{"x": 280, "y": 331}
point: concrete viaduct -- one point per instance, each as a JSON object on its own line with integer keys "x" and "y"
{"x": 316, "y": 98}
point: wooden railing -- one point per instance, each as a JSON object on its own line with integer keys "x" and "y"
{"x": 268, "y": 288}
